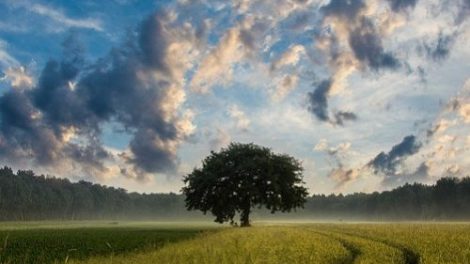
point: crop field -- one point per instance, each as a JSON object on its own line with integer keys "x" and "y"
{"x": 113, "y": 242}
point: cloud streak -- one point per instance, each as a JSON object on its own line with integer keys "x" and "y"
{"x": 63, "y": 20}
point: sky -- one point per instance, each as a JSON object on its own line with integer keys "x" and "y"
{"x": 368, "y": 94}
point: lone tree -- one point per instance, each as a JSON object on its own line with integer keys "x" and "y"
{"x": 241, "y": 177}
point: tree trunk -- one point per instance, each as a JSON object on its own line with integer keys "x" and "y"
{"x": 245, "y": 217}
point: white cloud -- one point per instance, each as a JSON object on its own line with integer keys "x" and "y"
{"x": 217, "y": 66}
{"x": 322, "y": 145}
{"x": 6, "y": 60}
{"x": 285, "y": 85}
{"x": 465, "y": 112}
{"x": 291, "y": 57}
{"x": 63, "y": 20}
{"x": 18, "y": 77}
{"x": 242, "y": 122}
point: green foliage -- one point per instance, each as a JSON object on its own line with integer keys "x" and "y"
{"x": 243, "y": 176}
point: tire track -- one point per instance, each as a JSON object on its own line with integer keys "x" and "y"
{"x": 410, "y": 256}
{"x": 350, "y": 247}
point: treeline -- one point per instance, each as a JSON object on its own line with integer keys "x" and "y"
{"x": 447, "y": 199}
{"x": 26, "y": 196}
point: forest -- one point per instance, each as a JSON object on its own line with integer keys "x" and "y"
{"x": 27, "y": 196}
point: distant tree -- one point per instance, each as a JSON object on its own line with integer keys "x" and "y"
{"x": 241, "y": 177}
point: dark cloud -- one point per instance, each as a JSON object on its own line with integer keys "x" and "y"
{"x": 152, "y": 43}
{"x": 251, "y": 36}
{"x": 366, "y": 44}
{"x": 439, "y": 50}
{"x": 363, "y": 36}
{"x": 318, "y": 105}
{"x": 247, "y": 38}
{"x": 387, "y": 162}
{"x": 148, "y": 155}
{"x": 341, "y": 116}
{"x": 401, "y": 5}
{"x": 318, "y": 100}
{"x": 21, "y": 134}
{"x": 464, "y": 10}
{"x": 422, "y": 74}
{"x": 301, "y": 1}
{"x": 72, "y": 97}
{"x": 345, "y": 9}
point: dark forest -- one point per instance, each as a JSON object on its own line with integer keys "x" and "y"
{"x": 26, "y": 196}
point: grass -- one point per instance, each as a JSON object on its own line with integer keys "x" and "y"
{"x": 147, "y": 242}
{"x": 42, "y": 243}
{"x": 430, "y": 243}
{"x": 246, "y": 245}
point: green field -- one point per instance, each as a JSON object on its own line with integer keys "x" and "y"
{"x": 268, "y": 242}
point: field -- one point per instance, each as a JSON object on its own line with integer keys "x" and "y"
{"x": 268, "y": 242}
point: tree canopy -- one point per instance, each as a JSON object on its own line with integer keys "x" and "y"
{"x": 241, "y": 177}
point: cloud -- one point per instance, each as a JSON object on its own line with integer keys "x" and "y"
{"x": 421, "y": 174}
{"x": 339, "y": 174}
{"x": 341, "y": 116}
{"x": 440, "y": 49}
{"x": 465, "y": 112}
{"x": 343, "y": 176}
{"x": 242, "y": 122}
{"x": 463, "y": 7}
{"x": 291, "y": 57}
{"x": 6, "y": 60}
{"x": 387, "y": 162}
{"x": 284, "y": 87}
{"x": 236, "y": 44}
{"x": 347, "y": 10}
{"x": 322, "y": 145}
{"x": 59, "y": 122}
{"x": 441, "y": 126}
{"x": 318, "y": 105}
{"x": 342, "y": 148}
{"x": 18, "y": 77}
{"x": 367, "y": 46}
{"x": 62, "y": 20}
{"x": 352, "y": 40}
{"x": 318, "y": 102}
{"x": 401, "y": 5}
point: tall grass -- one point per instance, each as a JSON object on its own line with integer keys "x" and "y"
{"x": 47, "y": 245}
{"x": 247, "y": 245}
{"x": 407, "y": 243}
{"x": 432, "y": 243}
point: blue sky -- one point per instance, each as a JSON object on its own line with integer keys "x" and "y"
{"x": 369, "y": 94}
